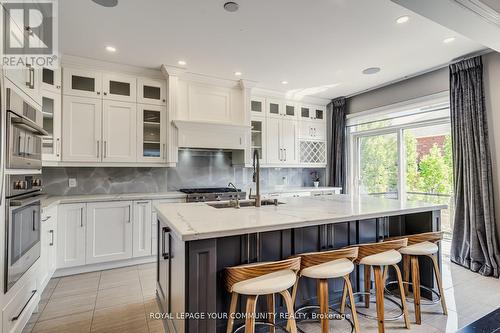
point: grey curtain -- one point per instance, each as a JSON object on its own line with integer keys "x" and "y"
{"x": 474, "y": 243}
{"x": 336, "y": 155}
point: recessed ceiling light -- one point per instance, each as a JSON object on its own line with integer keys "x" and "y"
{"x": 371, "y": 70}
{"x": 238, "y": 73}
{"x": 110, "y": 48}
{"x": 284, "y": 82}
{"x": 402, "y": 19}
{"x": 181, "y": 62}
{"x": 449, "y": 40}
{"x": 231, "y": 6}
{"x": 106, "y": 3}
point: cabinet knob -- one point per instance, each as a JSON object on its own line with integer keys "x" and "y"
{"x": 58, "y": 87}
{"x": 98, "y": 92}
{"x": 164, "y": 100}
{"x": 105, "y": 93}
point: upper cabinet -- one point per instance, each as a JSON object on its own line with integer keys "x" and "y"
{"x": 281, "y": 109}
{"x": 258, "y": 106}
{"x": 83, "y": 83}
{"x": 119, "y": 87}
{"x": 312, "y": 112}
{"x": 151, "y": 92}
{"x": 151, "y": 133}
{"x": 50, "y": 80}
{"x": 51, "y": 110}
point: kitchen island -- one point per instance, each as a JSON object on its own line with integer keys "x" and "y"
{"x": 197, "y": 241}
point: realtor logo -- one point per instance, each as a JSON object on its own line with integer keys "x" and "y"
{"x": 30, "y": 33}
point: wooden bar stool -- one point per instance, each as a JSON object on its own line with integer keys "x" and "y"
{"x": 419, "y": 245}
{"x": 378, "y": 255}
{"x": 323, "y": 266}
{"x": 254, "y": 280}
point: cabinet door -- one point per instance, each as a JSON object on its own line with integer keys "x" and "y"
{"x": 305, "y": 112}
{"x": 52, "y": 246}
{"x": 259, "y": 138}
{"x": 142, "y": 229}
{"x": 119, "y": 88}
{"x": 119, "y": 133}
{"x": 43, "y": 270}
{"x": 258, "y": 106}
{"x": 274, "y": 108}
{"x": 151, "y": 133}
{"x": 50, "y": 80}
{"x": 319, "y": 113}
{"x": 290, "y": 110}
{"x": 81, "y": 139}
{"x": 274, "y": 151}
{"x": 51, "y": 110}
{"x": 109, "y": 231}
{"x": 82, "y": 83}
{"x": 151, "y": 91}
{"x": 319, "y": 131}
{"x": 289, "y": 139}
{"x": 71, "y": 235}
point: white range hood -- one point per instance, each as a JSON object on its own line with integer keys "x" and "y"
{"x": 211, "y": 135}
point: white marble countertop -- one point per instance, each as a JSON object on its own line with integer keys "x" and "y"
{"x": 288, "y": 189}
{"x": 191, "y": 221}
{"x": 54, "y": 200}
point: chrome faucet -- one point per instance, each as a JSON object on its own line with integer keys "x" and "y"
{"x": 256, "y": 178}
{"x": 237, "y": 195}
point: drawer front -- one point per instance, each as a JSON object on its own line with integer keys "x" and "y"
{"x": 16, "y": 311}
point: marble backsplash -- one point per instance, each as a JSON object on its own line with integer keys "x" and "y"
{"x": 194, "y": 169}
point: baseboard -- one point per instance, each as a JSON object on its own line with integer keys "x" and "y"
{"x": 103, "y": 266}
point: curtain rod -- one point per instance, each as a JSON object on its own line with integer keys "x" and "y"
{"x": 407, "y": 77}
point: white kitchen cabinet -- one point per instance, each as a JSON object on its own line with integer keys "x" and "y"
{"x": 274, "y": 108}
{"x": 50, "y": 80}
{"x": 258, "y": 131}
{"x": 313, "y": 153}
{"x": 312, "y": 113}
{"x": 312, "y": 130}
{"x": 81, "y": 139}
{"x": 119, "y": 87}
{"x": 319, "y": 113}
{"x": 290, "y": 110}
{"x": 109, "y": 231}
{"x": 258, "y": 106}
{"x": 51, "y": 110}
{"x": 142, "y": 229}
{"x": 83, "y": 83}
{"x": 71, "y": 231}
{"x": 151, "y": 133}
{"x": 26, "y": 78}
{"x": 151, "y": 91}
{"x": 281, "y": 141}
{"x": 119, "y": 142}
{"x": 48, "y": 254}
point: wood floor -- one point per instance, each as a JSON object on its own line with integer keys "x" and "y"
{"x": 120, "y": 300}
{"x": 117, "y": 300}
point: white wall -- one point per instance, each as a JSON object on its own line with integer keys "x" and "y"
{"x": 491, "y": 64}
{"x": 427, "y": 84}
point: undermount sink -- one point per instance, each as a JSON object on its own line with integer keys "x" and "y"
{"x": 244, "y": 203}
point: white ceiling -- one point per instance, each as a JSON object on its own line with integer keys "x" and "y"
{"x": 318, "y": 45}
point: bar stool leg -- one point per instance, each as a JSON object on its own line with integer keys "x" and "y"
{"x": 323, "y": 304}
{"x": 232, "y": 311}
{"x": 379, "y": 289}
{"x": 403, "y": 296}
{"x": 344, "y": 296}
{"x": 270, "y": 310}
{"x": 294, "y": 297}
{"x": 368, "y": 278}
{"x": 439, "y": 280}
{"x": 406, "y": 272}
{"x": 290, "y": 309}
{"x": 250, "y": 313}
{"x": 348, "y": 287}
{"x": 415, "y": 279}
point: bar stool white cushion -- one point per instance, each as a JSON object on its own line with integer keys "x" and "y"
{"x": 329, "y": 270}
{"x": 266, "y": 284}
{"x": 390, "y": 257}
{"x": 420, "y": 249}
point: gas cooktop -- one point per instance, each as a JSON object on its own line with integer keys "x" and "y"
{"x": 203, "y": 194}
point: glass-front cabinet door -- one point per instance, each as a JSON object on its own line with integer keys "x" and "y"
{"x": 51, "y": 110}
{"x": 119, "y": 88}
{"x": 274, "y": 107}
{"x": 151, "y": 91}
{"x": 319, "y": 113}
{"x": 258, "y": 137}
{"x": 305, "y": 112}
{"x": 78, "y": 82}
{"x": 51, "y": 79}
{"x": 257, "y": 106}
{"x": 152, "y": 132}
{"x": 290, "y": 110}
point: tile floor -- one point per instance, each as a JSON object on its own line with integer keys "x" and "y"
{"x": 120, "y": 300}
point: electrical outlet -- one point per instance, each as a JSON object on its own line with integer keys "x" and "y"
{"x": 72, "y": 182}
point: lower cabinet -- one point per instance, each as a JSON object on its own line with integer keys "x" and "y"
{"x": 142, "y": 229}
{"x": 48, "y": 253}
{"x": 109, "y": 231}
{"x": 71, "y": 227}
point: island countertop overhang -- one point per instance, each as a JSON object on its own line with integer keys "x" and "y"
{"x": 195, "y": 221}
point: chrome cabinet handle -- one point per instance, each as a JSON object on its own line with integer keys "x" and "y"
{"x": 58, "y": 147}
{"x": 129, "y": 219}
{"x": 81, "y": 217}
{"x": 97, "y": 148}
{"x": 285, "y": 154}
{"x": 105, "y": 150}
{"x": 52, "y": 237}
{"x": 165, "y": 231}
{"x": 33, "y": 292}
{"x": 32, "y": 77}
{"x": 164, "y": 151}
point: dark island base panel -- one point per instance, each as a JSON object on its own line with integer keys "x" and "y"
{"x": 206, "y": 260}
{"x": 487, "y": 324}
